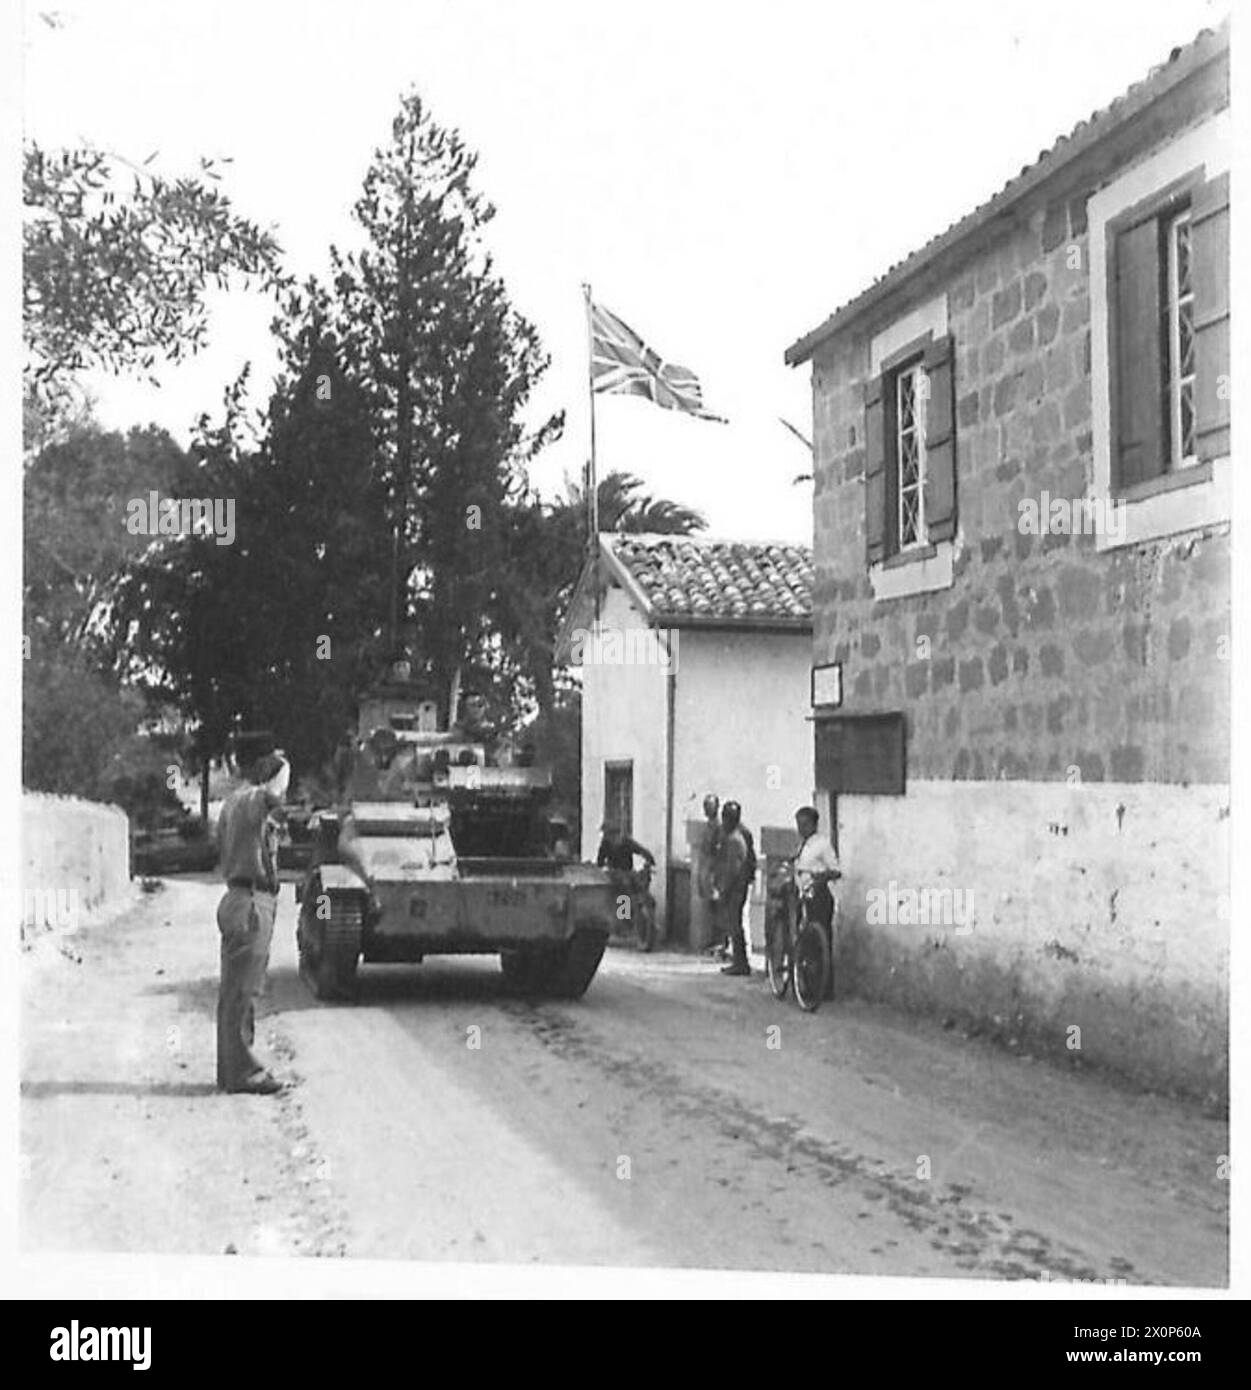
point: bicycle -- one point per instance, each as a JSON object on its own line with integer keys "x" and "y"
{"x": 797, "y": 946}
{"x": 643, "y": 908}
{"x": 636, "y": 884}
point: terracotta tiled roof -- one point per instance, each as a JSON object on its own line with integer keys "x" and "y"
{"x": 695, "y": 579}
{"x": 1181, "y": 61}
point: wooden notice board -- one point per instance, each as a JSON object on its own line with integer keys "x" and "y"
{"x": 861, "y": 753}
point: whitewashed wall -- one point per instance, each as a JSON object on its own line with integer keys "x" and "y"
{"x": 75, "y": 858}
{"x": 1097, "y": 906}
{"x": 741, "y": 726}
{"x": 624, "y": 714}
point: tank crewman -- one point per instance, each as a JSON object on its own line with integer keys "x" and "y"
{"x": 473, "y": 725}
{"x": 247, "y": 837}
{"x": 617, "y": 850}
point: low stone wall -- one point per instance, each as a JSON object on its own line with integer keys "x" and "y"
{"x": 75, "y": 860}
{"x": 1087, "y": 921}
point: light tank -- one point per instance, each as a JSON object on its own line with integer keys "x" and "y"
{"x": 444, "y": 846}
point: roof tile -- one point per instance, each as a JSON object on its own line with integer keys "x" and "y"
{"x": 696, "y": 577}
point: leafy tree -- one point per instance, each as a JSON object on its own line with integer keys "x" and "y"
{"x": 113, "y": 279}
{"x": 545, "y": 550}
{"x": 116, "y": 278}
{"x": 75, "y": 495}
{"x": 74, "y": 720}
{"x": 447, "y": 366}
{"x": 79, "y": 724}
{"x": 623, "y": 506}
{"x": 283, "y": 628}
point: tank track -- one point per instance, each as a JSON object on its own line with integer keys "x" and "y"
{"x": 561, "y": 972}
{"x": 331, "y": 965}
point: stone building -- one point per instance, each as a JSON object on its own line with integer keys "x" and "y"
{"x": 1021, "y": 514}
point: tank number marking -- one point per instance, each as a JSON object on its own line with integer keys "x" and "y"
{"x": 507, "y": 897}
{"x": 417, "y": 907}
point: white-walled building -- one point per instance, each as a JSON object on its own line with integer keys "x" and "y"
{"x": 696, "y": 679}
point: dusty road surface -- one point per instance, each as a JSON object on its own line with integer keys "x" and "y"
{"x": 672, "y": 1117}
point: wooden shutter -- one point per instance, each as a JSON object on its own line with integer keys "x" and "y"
{"x": 940, "y": 441}
{"x": 874, "y": 470}
{"x": 1209, "y": 269}
{"x": 1139, "y": 424}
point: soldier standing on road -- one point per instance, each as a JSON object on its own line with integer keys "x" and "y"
{"x": 247, "y": 838}
{"x": 731, "y": 880}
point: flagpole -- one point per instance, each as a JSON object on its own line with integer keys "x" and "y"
{"x": 592, "y": 489}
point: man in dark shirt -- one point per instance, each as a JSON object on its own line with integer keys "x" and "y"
{"x": 706, "y": 859}
{"x": 247, "y": 839}
{"x": 731, "y": 880}
{"x": 617, "y": 850}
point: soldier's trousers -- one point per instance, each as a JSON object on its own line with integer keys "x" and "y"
{"x": 730, "y": 924}
{"x": 246, "y": 921}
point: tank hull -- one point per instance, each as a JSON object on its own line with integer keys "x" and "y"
{"x": 486, "y": 914}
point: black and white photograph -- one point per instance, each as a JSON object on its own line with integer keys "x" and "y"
{"x": 628, "y": 654}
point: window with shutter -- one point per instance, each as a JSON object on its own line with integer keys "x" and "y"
{"x": 1139, "y": 373}
{"x": 908, "y": 437}
{"x": 940, "y": 441}
{"x": 1209, "y": 272}
{"x": 1169, "y": 327}
{"x": 1159, "y": 345}
{"x": 874, "y": 471}
{"x": 910, "y": 465}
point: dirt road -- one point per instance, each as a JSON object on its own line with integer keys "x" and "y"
{"x": 673, "y": 1117}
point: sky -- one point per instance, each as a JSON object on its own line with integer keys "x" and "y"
{"x": 723, "y": 176}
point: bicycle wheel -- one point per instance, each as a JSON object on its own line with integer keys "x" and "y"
{"x": 778, "y": 957}
{"x": 812, "y": 966}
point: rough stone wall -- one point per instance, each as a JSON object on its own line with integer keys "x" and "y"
{"x": 1045, "y": 659}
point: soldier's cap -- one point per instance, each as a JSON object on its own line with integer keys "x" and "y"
{"x": 810, "y": 811}
{"x": 266, "y": 766}
{"x": 250, "y": 746}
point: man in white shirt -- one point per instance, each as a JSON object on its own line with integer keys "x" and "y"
{"x": 816, "y": 865}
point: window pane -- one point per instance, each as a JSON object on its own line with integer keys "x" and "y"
{"x": 1188, "y": 419}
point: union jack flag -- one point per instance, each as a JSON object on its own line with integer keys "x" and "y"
{"x": 622, "y": 362}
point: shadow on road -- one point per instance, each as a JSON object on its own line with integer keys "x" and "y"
{"x": 449, "y": 978}
{"x": 42, "y": 1090}
{"x": 194, "y": 996}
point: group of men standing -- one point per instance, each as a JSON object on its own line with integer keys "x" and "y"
{"x": 726, "y": 870}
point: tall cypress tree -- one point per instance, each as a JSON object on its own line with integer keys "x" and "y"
{"x": 447, "y": 366}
